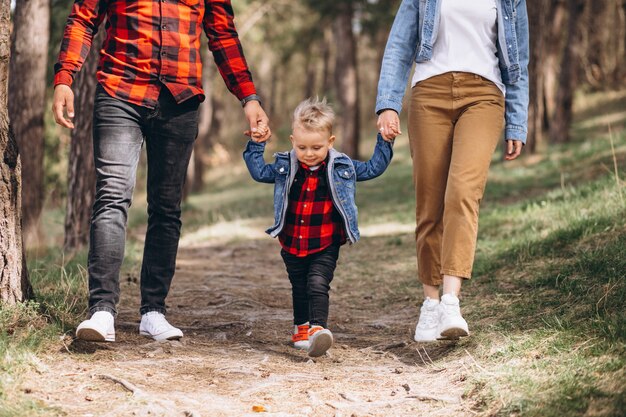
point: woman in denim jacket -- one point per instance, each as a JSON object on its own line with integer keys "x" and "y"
{"x": 471, "y": 77}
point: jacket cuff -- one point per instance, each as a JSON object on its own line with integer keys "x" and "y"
{"x": 255, "y": 146}
{"x": 384, "y": 104}
{"x": 63, "y": 77}
{"x": 514, "y": 132}
{"x": 380, "y": 140}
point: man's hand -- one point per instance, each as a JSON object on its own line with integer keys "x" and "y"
{"x": 513, "y": 149}
{"x": 389, "y": 125}
{"x": 63, "y": 100}
{"x": 258, "y": 120}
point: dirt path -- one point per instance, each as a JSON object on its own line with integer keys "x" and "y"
{"x": 232, "y": 300}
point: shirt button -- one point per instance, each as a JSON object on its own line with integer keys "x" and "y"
{"x": 163, "y": 53}
{"x": 301, "y": 221}
{"x": 299, "y": 237}
{"x": 308, "y": 189}
{"x": 163, "y": 26}
{"x": 506, "y": 18}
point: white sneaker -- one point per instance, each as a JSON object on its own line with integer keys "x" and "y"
{"x": 320, "y": 340}
{"x": 99, "y": 328}
{"x": 427, "y": 329}
{"x": 154, "y": 325}
{"x": 451, "y": 324}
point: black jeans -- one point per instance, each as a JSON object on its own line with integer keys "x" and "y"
{"x": 119, "y": 130}
{"x": 310, "y": 278}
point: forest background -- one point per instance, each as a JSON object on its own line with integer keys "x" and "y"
{"x": 575, "y": 156}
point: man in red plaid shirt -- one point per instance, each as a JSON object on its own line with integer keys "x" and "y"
{"x": 149, "y": 88}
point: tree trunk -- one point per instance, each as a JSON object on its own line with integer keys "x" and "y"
{"x": 81, "y": 172}
{"x": 538, "y": 22}
{"x": 553, "y": 47}
{"x": 568, "y": 77}
{"x": 195, "y": 171}
{"x": 346, "y": 80}
{"x": 14, "y": 285}
{"x": 326, "y": 51}
{"x": 605, "y": 53}
{"x": 27, "y": 90}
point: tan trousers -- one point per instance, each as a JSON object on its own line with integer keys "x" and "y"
{"x": 455, "y": 123}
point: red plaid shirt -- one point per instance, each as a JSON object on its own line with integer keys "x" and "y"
{"x": 312, "y": 223}
{"x": 154, "y": 42}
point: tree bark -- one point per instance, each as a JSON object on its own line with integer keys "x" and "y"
{"x": 553, "y": 48}
{"x": 14, "y": 285}
{"x": 538, "y": 22}
{"x": 195, "y": 171}
{"x": 347, "y": 80}
{"x": 326, "y": 52}
{"x": 568, "y": 77}
{"x": 27, "y": 90}
{"x": 81, "y": 172}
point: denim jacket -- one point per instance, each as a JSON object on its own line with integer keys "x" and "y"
{"x": 343, "y": 173}
{"x": 413, "y": 35}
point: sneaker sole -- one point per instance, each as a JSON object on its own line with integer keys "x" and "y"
{"x": 323, "y": 342}
{"x": 173, "y": 337}
{"x": 454, "y": 333}
{"x": 301, "y": 345}
{"x": 92, "y": 335}
{"x": 425, "y": 340}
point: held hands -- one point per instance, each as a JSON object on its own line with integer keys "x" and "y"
{"x": 389, "y": 125}
{"x": 513, "y": 149}
{"x": 258, "y": 120}
{"x": 63, "y": 100}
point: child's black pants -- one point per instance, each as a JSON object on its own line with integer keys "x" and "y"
{"x": 310, "y": 278}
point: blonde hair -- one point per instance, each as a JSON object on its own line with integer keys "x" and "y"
{"x": 315, "y": 115}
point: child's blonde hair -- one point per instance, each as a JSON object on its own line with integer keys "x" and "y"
{"x": 315, "y": 115}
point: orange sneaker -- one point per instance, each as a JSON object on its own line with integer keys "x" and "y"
{"x": 300, "y": 337}
{"x": 320, "y": 340}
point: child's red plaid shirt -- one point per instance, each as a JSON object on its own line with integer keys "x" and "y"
{"x": 312, "y": 223}
{"x": 150, "y": 43}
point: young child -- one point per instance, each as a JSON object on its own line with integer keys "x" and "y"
{"x": 314, "y": 212}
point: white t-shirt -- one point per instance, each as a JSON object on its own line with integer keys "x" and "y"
{"x": 466, "y": 42}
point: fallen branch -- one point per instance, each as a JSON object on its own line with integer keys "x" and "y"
{"x": 124, "y": 383}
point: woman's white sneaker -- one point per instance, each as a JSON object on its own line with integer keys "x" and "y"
{"x": 451, "y": 324}
{"x": 427, "y": 329}
{"x": 154, "y": 325}
{"x": 99, "y": 328}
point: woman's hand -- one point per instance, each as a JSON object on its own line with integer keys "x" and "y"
{"x": 513, "y": 149}
{"x": 389, "y": 125}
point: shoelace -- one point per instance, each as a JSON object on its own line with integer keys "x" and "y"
{"x": 450, "y": 308}
{"x": 428, "y": 317}
{"x": 158, "y": 324}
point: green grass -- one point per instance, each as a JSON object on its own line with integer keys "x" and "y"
{"x": 33, "y": 327}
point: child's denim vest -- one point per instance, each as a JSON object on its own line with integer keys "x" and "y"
{"x": 413, "y": 35}
{"x": 343, "y": 173}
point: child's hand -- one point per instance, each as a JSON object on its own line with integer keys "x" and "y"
{"x": 261, "y": 134}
